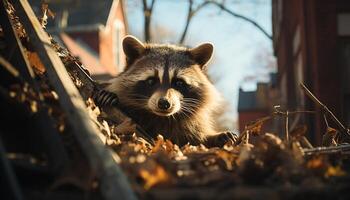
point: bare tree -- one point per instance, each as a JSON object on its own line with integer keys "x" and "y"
{"x": 192, "y": 10}
{"x": 147, "y": 11}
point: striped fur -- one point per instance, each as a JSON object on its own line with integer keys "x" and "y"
{"x": 177, "y": 74}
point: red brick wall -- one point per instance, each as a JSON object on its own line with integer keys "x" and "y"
{"x": 107, "y": 41}
{"x": 90, "y": 38}
{"x": 318, "y": 47}
{"x": 248, "y": 116}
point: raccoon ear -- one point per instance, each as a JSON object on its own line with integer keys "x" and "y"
{"x": 202, "y": 53}
{"x": 133, "y": 48}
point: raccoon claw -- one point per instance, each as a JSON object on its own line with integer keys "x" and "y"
{"x": 221, "y": 139}
{"x": 104, "y": 98}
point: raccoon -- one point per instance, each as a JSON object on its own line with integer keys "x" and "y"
{"x": 166, "y": 90}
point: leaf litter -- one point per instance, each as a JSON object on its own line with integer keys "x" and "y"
{"x": 269, "y": 163}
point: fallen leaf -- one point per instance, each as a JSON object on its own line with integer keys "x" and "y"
{"x": 298, "y": 131}
{"x": 154, "y": 177}
{"x": 254, "y": 127}
{"x": 328, "y": 139}
{"x": 35, "y": 62}
{"x": 334, "y": 171}
{"x": 227, "y": 157}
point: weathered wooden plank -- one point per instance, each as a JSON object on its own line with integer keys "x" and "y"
{"x": 53, "y": 146}
{"x": 89, "y": 86}
{"x": 14, "y": 50}
{"x": 113, "y": 182}
{"x": 9, "y": 185}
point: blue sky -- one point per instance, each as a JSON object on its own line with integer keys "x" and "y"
{"x": 242, "y": 54}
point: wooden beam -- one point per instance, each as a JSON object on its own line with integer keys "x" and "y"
{"x": 113, "y": 182}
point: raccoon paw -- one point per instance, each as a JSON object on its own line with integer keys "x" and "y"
{"x": 126, "y": 127}
{"x": 221, "y": 139}
{"x": 104, "y": 98}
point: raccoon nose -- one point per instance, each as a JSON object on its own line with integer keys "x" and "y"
{"x": 163, "y": 104}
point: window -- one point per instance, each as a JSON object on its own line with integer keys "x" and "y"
{"x": 298, "y": 67}
{"x": 343, "y": 40}
{"x": 344, "y": 24}
{"x": 117, "y": 45}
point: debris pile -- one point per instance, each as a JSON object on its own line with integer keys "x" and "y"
{"x": 288, "y": 168}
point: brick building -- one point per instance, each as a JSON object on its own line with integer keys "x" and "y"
{"x": 91, "y": 30}
{"x": 253, "y": 105}
{"x": 311, "y": 40}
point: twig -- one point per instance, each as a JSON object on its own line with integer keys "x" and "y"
{"x": 192, "y": 11}
{"x": 287, "y": 124}
{"x": 325, "y": 109}
{"x": 328, "y": 150}
{"x": 325, "y": 120}
{"x": 256, "y": 25}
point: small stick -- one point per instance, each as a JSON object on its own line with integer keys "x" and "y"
{"x": 325, "y": 120}
{"x": 328, "y": 150}
{"x": 325, "y": 109}
{"x": 306, "y": 142}
{"x": 287, "y": 125}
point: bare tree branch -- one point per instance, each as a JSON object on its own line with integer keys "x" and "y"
{"x": 192, "y": 11}
{"x": 188, "y": 20}
{"x": 255, "y": 24}
{"x": 147, "y": 10}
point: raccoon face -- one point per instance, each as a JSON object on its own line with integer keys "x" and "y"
{"x": 166, "y": 80}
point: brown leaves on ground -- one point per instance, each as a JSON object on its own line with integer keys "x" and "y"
{"x": 329, "y": 138}
{"x": 46, "y": 13}
{"x": 298, "y": 131}
{"x": 255, "y": 127}
{"x": 35, "y": 62}
{"x": 321, "y": 166}
{"x": 269, "y": 161}
{"x": 154, "y": 177}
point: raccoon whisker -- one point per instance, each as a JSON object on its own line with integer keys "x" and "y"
{"x": 190, "y": 108}
{"x": 191, "y": 99}
{"x": 191, "y": 102}
{"x": 187, "y": 113}
{"x": 190, "y": 105}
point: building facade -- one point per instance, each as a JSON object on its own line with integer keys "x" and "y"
{"x": 91, "y": 30}
{"x": 311, "y": 40}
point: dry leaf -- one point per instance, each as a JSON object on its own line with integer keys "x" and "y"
{"x": 34, "y": 106}
{"x": 46, "y": 14}
{"x": 254, "y": 127}
{"x": 158, "y": 145}
{"x": 316, "y": 163}
{"x": 328, "y": 139}
{"x": 35, "y": 62}
{"x": 227, "y": 157}
{"x": 298, "y": 131}
{"x": 334, "y": 171}
{"x": 154, "y": 177}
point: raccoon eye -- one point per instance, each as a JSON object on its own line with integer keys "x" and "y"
{"x": 179, "y": 83}
{"x": 151, "y": 81}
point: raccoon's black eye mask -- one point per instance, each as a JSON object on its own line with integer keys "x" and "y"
{"x": 151, "y": 81}
{"x": 179, "y": 83}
